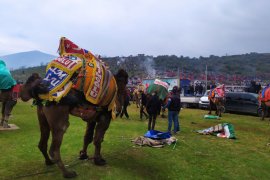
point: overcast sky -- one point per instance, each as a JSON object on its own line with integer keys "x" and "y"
{"x": 129, "y": 27}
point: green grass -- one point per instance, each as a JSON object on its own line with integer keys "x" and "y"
{"x": 194, "y": 156}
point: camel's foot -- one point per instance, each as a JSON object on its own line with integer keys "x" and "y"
{"x": 69, "y": 174}
{"x": 83, "y": 155}
{"x": 5, "y": 125}
{"x": 49, "y": 162}
{"x": 100, "y": 161}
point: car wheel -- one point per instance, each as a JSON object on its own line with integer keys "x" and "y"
{"x": 184, "y": 105}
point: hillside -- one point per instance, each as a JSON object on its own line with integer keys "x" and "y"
{"x": 226, "y": 69}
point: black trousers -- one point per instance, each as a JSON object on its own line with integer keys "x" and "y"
{"x": 152, "y": 121}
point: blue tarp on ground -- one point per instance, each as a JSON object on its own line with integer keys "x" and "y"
{"x": 154, "y": 134}
{"x": 6, "y": 80}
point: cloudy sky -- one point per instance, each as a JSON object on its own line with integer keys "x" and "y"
{"x": 129, "y": 27}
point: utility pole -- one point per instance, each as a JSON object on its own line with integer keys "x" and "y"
{"x": 206, "y": 78}
{"x": 178, "y": 77}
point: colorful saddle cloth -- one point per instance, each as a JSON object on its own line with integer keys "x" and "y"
{"x": 79, "y": 69}
{"x": 58, "y": 75}
{"x": 218, "y": 92}
{"x": 97, "y": 83}
{"x": 6, "y": 80}
{"x": 265, "y": 95}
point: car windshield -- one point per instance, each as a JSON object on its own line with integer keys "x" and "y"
{"x": 206, "y": 93}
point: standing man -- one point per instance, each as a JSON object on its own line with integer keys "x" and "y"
{"x": 152, "y": 108}
{"x": 174, "y": 106}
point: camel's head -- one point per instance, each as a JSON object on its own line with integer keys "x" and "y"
{"x": 33, "y": 86}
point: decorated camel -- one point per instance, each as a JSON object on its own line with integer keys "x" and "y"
{"x": 217, "y": 100}
{"x": 8, "y": 94}
{"x": 79, "y": 84}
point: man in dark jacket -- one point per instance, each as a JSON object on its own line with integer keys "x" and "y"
{"x": 153, "y": 107}
{"x": 174, "y": 106}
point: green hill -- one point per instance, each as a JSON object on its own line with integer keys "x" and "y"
{"x": 231, "y": 69}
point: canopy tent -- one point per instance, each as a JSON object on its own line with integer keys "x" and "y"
{"x": 160, "y": 87}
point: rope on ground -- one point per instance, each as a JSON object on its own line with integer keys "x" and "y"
{"x": 76, "y": 161}
{"x": 197, "y": 153}
{"x": 44, "y": 172}
{"x": 175, "y": 144}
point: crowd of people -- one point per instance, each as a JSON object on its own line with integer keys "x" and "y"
{"x": 151, "y": 106}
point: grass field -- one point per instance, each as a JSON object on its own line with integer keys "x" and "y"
{"x": 194, "y": 156}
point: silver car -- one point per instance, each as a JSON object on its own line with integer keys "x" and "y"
{"x": 204, "y": 101}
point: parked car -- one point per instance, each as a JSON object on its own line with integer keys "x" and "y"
{"x": 204, "y": 101}
{"x": 242, "y": 102}
{"x": 190, "y": 100}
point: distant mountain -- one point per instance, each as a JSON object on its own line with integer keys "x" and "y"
{"x": 26, "y": 59}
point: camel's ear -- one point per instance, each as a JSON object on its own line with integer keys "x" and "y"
{"x": 32, "y": 78}
{"x": 36, "y": 75}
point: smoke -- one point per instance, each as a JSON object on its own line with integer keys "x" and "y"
{"x": 148, "y": 64}
{"x": 120, "y": 61}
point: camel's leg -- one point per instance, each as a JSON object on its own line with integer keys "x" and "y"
{"x": 102, "y": 125}
{"x": 263, "y": 115}
{"x": 8, "y": 106}
{"x": 263, "y": 112}
{"x": 44, "y": 135}
{"x": 88, "y": 138}
{"x": 219, "y": 110}
{"x": 57, "y": 118}
{"x": 3, "y": 114}
{"x": 210, "y": 107}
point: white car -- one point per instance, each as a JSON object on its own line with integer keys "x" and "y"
{"x": 204, "y": 101}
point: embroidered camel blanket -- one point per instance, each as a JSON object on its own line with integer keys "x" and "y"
{"x": 218, "y": 92}
{"x": 265, "y": 95}
{"x": 79, "y": 69}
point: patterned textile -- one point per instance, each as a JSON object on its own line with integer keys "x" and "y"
{"x": 224, "y": 130}
{"x": 160, "y": 87}
{"x": 218, "y": 92}
{"x": 92, "y": 77}
{"x": 67, "y": 47}
{"x": 58, "y": 75}
{"x": 157, "y": 143}
{"x": 16, "y": 91}
{"x": 102, "y": 88}
{"x": 265, "y": 95}
{"x": 6, "y": 80}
